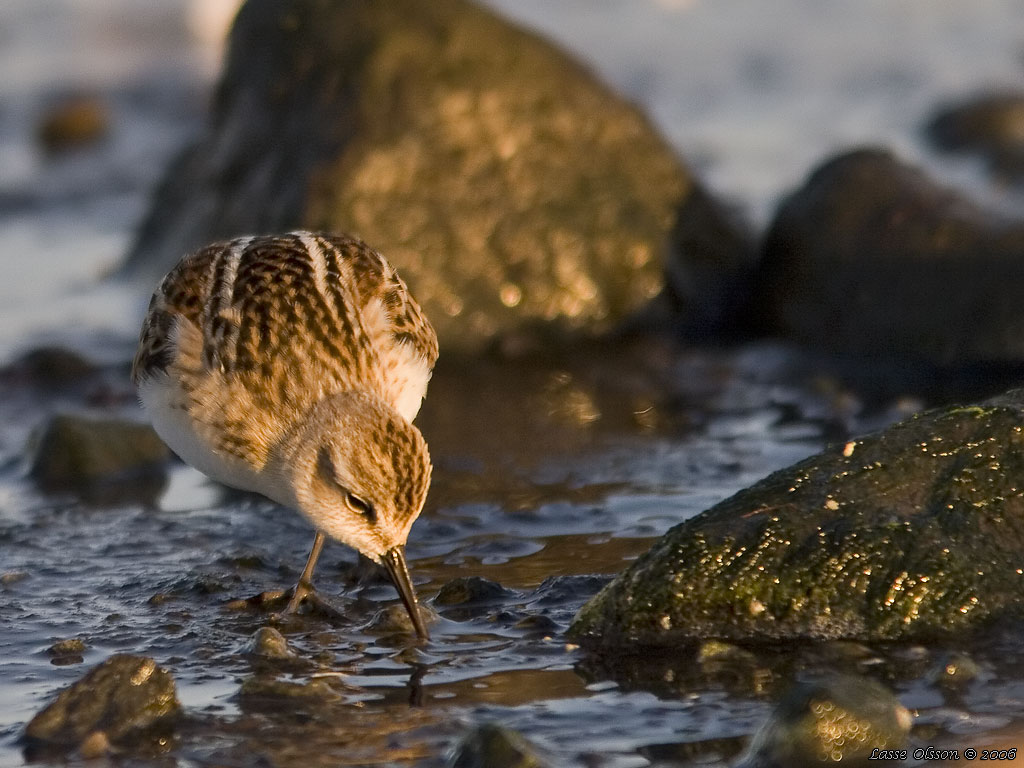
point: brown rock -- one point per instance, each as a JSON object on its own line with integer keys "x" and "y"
{"x": 114, "y": 702}
{"x": 98, "y": 457}
{"x": 872, "y": 258}
{"x": 510, "y": 188}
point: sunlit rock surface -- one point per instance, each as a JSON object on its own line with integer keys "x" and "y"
{"x": 916, "y": 531}
{"x": 509, "y": 186}
{"x": 115, "y": 702}
{"x": 839, "y": 719}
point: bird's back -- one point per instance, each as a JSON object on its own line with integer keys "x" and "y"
{"x": 243, "y": 338}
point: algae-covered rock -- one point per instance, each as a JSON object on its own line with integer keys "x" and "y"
{"x": 67, "y": 651}
{"x": 507, "y": 184}
{"x": 470, "y": 590}
{"x": 121, "y": 698}
{"x": 871, "y": 257}
{"x": 99, "y": 457}
{"x": 838, "y": 719}
{"x": 269, "y": 643}
{"x": 492, "y": 746}
{"x": 285, "y": 692}
{"x": 913, "y": 532}
{"x": 394, "y": 619}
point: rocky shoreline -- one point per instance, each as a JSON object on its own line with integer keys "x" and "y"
{"x": 589, "y": 290}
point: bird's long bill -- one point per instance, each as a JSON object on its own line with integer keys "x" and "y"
{"x": 394, "y": 561}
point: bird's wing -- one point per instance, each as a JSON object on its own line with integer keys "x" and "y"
{"x": 403, "y": 337}
{"x": 180, "y": 295}
{"x": 292, "y": 319}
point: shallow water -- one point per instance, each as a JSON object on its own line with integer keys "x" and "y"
{"x": 551, "y": 474}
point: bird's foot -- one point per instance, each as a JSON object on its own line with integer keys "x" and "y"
{"x": 284, "y": 604}
{"x": 269, "y": 600}
{"x": 300, "y": 592}
{"x": 303, "y": 593}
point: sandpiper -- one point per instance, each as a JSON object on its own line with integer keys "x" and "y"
{"x": 293, "y": 365}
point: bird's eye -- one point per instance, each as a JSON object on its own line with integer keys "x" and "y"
{"x": 361, "y": 506}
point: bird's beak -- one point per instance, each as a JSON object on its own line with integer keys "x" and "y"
{"x": 394, "y": 561}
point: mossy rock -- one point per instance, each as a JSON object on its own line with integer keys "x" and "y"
{"x": 914, "y": 532}
{"x": 492, "y": 746}
{"x": 121, "y": 698}
{"x": 99, "y": 457}
{"x": 838, "y": 719}
{"x": 509, "y": 186}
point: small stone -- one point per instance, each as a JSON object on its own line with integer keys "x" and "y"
{"x": 71, "y": 646}
{"x": 99, "y": 457}
{"x": 122, "y": 697}
{"x": 67, "y": 652}
{"x": 990, "y": 126}
{"x": 394, "y": 619}
{"x": 845, "y": 651}
{"x": 75, "y": 122}
{"x": 841, "y": 718}
{"x": 957, "y": 670}
{"x": 492, "y": 746}
{"x": 270, "y": 643}
{"x": 538, "y": 625}
{"x": 470, "y": 590}
{"x": 13, "y": 577}
{"x": 262, "y": 687}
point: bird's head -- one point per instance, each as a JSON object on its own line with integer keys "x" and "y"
{"x": 360, "y": 473}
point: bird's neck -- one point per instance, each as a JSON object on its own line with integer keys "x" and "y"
{"x": 289, "y": 460}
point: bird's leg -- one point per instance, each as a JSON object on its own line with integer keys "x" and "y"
{"x": 305, "y": 585}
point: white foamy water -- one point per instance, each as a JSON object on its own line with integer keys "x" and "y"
{"x": 754, "y": 95}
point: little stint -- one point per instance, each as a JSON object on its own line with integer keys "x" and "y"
{"x": 293, "y": 366}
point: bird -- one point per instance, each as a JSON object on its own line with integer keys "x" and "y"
{"x": 293, "y": 365}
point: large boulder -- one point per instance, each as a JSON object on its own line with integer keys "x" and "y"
{"x": 871, "y": 257}
{"x": 509, "y": 186}
{"x": 914, "y": 532}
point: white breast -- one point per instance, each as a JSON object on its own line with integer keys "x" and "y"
{"x": 164, "y": 402}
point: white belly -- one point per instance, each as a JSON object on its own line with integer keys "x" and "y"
{"x": 162, "y": 400}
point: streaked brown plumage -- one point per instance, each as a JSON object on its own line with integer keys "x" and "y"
{"x": 293, "y": 366}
